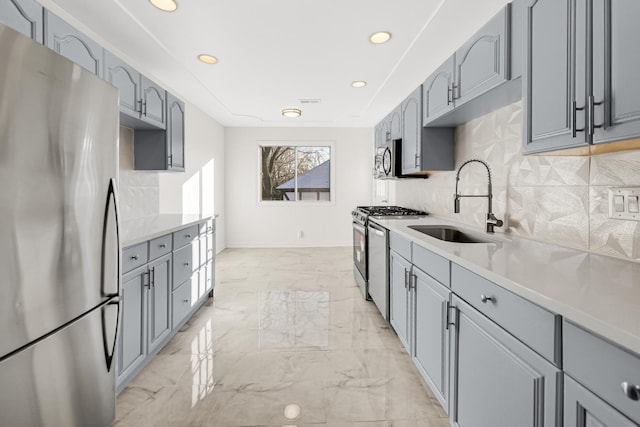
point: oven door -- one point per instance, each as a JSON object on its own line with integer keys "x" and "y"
{"x": 360, "y": 251}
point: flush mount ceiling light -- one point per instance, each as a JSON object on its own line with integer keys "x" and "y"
{"x": 292, "y": 112}
{"x": 358, "y": 84}
{"x": 380, "y": 37}
{"x": 208, "y": 59}
{"x": 166, "y": 5}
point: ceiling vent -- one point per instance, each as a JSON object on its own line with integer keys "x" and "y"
{"x": 310, "y": 101}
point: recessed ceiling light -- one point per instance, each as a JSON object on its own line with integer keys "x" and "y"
{"x": 380, "y": 37}
{"x": 359, "y": 83}
{"x": 292, "y": 112}
{"x": 208, "y": 59}
{"x": 166, "y": 5}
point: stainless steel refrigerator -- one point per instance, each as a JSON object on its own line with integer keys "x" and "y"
{"x": 59, "y": 248}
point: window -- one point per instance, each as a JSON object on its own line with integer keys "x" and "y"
{"x": 295, "y": 173}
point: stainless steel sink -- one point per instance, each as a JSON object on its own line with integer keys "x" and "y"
{"x": 452, "y": 234}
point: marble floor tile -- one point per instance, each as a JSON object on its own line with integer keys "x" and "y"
{"x": 288, "y": 341}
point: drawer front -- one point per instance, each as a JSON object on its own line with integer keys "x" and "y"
{"x": 531, "y": 324}
{"x": 182, "y": 302}
{"x": 434, "y": 265}
{"x": 160, "y": 246}
{"x": 134, "y": 256}
{"x": 203, "y": 249}
{"x": 400, "y": 245}
{"x": 182, "y": 265}
{"x": 185, "y": 236}
{"x": 602, "y": 367}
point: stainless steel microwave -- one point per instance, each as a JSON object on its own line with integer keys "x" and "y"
{"x": 387, "y": 160}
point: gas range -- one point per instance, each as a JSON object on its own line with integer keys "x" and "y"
{"x": 362, "y": 213}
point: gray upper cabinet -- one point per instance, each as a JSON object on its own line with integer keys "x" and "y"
{"x": 585, "y": 409}
{"x": 483, "y": 62}
{"x": 437, "y": 92}
{"x": 495, "y": 379}
{"x": 153, "y": 107}
{"x": 159, "y": 301}
{"x": 616, "y": 61}
{"x": 72, "y": 44}
{"x": 24, "y": 16}
{"x": 411, "y": 115}
{"x": 127, "y": 80}
{"x": 395, "y": 123}
{"x": 175, "y": 133}
{"x": 399, "y": 273}
{"x": 431, "y": 335}
{"x": 579, "y": 81}
{"x": 162, "y": 149}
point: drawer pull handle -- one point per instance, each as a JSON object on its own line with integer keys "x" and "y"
{"x": 135, "y": 257}
{"x": 188, "y": 236}
{"x": 186, "y": 264}
{"x": 632, "y": 391}
{"x": 163, "y": 245}
{"x": 485, "y": 298}
{"x": 185, "y": 301}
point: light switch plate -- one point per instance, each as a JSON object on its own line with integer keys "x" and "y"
{"x": 627, "y": 193}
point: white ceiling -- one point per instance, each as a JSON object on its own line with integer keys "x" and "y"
{"x": 272, "y": 53}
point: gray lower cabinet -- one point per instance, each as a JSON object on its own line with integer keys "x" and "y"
{"x": 495, "y": 379}
{"x": 132, "y": 347}
{"x": 159, "y": 301}
{"x": 72, "y": 44}
{"x": 584, "y": 409}
{"x": 431, "y": 335}
{"x": 400, "y": 295}
{"x": 24, "y": 16}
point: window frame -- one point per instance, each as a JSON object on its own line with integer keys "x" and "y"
{"x": 298, "y": 143}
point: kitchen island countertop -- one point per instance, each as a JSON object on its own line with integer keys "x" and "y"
{"x": 597, "y": 292}
{"x": 139, "y": 230}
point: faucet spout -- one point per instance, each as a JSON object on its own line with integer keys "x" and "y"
{"x": 491, "y": 220}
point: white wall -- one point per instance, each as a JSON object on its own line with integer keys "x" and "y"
{"x": 251, "y": 224}
{"x": 200, "y": 189}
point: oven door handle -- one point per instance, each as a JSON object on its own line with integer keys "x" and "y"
{"x": 359, "y": 227}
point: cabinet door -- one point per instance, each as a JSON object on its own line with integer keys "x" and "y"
{"x": 385, "y": 130}
{"x": 437, "y": 96}
{"x": 584, "y": 409}
{"x": 411, "y": 132}
{"x": 72, "y": 44}
{"x": 175, "y": 133}
{"x": 399, "y": 294}
{"x": 127, "y": 80}
{"x": 554, "y": 75}
{"x": 495, "y": 379}
{"x": 616, "y": 61}
{"x": 154, "y": 100}
{"x": 431, "y": 334}
{"x": 132, "y": 349}
{"x": 24, "y": 16}
{"x": 159, "y": 301}
{"x": 482, "y": 63}
{"x": 395, "y": 123}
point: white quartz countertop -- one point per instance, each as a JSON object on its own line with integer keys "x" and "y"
{"x": 598, "y": 292}
{"x": 142, "y": 229}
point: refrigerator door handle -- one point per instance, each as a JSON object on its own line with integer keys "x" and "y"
{"x": 110, "y": 277}
{"x": 110, "y": 324}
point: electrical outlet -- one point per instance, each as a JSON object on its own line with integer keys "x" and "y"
{"x": 300, "y": 234}
{"x": 624, "y": 203}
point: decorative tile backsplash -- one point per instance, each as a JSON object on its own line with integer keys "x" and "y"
{"x": 557, "y": 199}
{"x": 139, "y": 190}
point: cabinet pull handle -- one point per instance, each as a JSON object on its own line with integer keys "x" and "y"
{"x": 406, "y": 278}
{"x": 485, "y": 298}
{"x": 163, "y": 245}
{"x": 135, "y": 257}
{"x": 449, "y": 95}
{"x": 170, "y": 158}
{"x": 188, "y": 236}
{"x": 139, "y": 110}
{"x": 144, "y": 105}
{"x": 575, "y": 116}
{"x": 632, "y": 391}
{"x": 185, "y": 301}
{"x": 146, "y": 283}
{"x": 186, "y": 264}
{"x": 152, "y": 278}
{"x": 592, "y": 111}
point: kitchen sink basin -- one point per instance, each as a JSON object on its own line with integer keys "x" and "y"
{"x": 452, "y": 234}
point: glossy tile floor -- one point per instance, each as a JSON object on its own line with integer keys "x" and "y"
{"x": 287, "y": 341}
